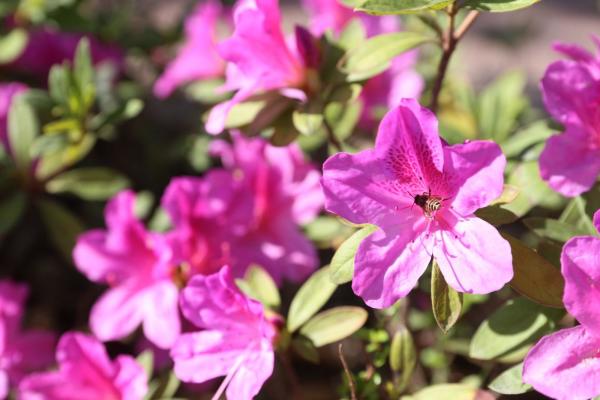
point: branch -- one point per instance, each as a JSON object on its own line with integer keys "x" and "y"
{"x": 348, "y": 374}
{"x": 449, "y": 41}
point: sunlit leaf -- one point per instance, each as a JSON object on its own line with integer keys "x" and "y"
{"x": 499, "y": 5}
{"x": 334, "y": 324}
{"x": 382, "y": 7}
{"x": 342, "y": 263}
{"x": 23, "y": 128}
{"x": 258, "y": 284}
{"x": 12, "y": 45}
{"x": 510, "y": 381}
{"x": 445, "y": 301}
{"x": 311, "y": 296}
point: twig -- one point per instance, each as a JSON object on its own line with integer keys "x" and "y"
{"x": 348, "y": 374}
{"x": 449, "y": 41}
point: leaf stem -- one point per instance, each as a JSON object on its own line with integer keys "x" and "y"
{"x": 348, "y": 373}
{"x": 449, "y": 41}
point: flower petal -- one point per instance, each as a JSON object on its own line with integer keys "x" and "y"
{"x": 130, "y": 378}
{"x": 356, "y": 188}
{"x": 477, "y": 169}
{"x": 581, "y": 269}
{"x": 565, "y": 365}
{"x": 568, "y": 163}
{"x": 597, "y": 220}
{"x": 472, "y": 256}
{"x": 161, "y": 315}
{"x": 117, "y": 313}
{"x": 253, "y": 373}
{"x": 389, "y": 262}
{"x": 409, "y": 143}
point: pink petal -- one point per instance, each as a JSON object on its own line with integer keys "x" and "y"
{"x": 597, "y": 220}
{"x": 52, "y": 385}
{"x": 35, "y": 349}
{"x": 389, "y": 262}
{"x": 118, "y": 312}
{"x": 472, "y": 255}
{"x": 477, "y": 169}
{"x": 161, "y": 314}
{"x": 565, "y": 365}
{"x": 581, "y": 269}
{"x": 130, "y": 378}
{"x": 250, "y": 378}
{"x": 357, "y": 188}
{"x": 569, "y": 164}
{"x": 409, "y": 143}
{"x": 4, "y": 385}
{"x": 205, "y": 355}
{"x": 217, "y": 118}
{"x": 198, "y": 58}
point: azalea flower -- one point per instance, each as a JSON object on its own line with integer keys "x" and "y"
{"x": 259, "y": 59}
{"x": 47, "y": 47}
{"x": 85, "y": 372}
{"x": 141, "y": 274}
{"x": 198, "y": 58}
{"x": 8, "y": 91}
{"x": 199, "y": 209}
{"x": 275, "y": 191}
{"x": 21, "y": 352}
{"x": 570, "y": 162}
{"x": 422, "y": 194}
{"x": 385, "y": 90}
{"x": 236, "y": 339}
{"x": 565, "y": 364}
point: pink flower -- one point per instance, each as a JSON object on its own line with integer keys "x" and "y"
{"x": 422, "y": 194}
{"x": 565, "y": 365}
{"x": 86, "y": 373}
{"x": 138, "y": 267}
{"x": 199, "y": 209}
{"x": 236, "y": 340}
{"x": 21, "y": 352}
{"x": 276, "y": 190}
{"x": 7, "y": 92}
{"x": 386, "y": 89}
{"x": 259, "y": 59}
{"x": 47, "y": 47}
{"x": 570, "y": 162}
{"x": 198, "y": 58}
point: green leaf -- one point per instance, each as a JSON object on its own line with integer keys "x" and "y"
{"x": 334, "y": 324}
{"x": 342, "y": 263}
{"x": 576, "y": 214}
{"x": 58, "y": 84}
{"x": 533, "y": 190}
{"x": 553, "y": 229}
{"x": 383, "y": 7}
{"x": 454, "y": 391}
{"x": 146, "y": 360}
{"x": 525, "y": 138}
{"x": 311, "y": 296}
{"x": 23, "y": 128}
{"x": 509, "y": 194}
{"x": 516, "y": 325}
{"x": 324, "y": 229}
{"x": 510, "y": 381}
{"x": 496, "y": 215}
{"x": 89, "y": 183}
{"x": 377, "y": 53}
{"x": 403, "y": 357}
{"x": 499, "y": 5}
{"x": 63, "y": 227}
{"x": 83, "y": 71}
{"x": 12, "y": 45}
{"x": 534, "y": 276}
{"x": 54, "y": 162}
{"x": 307, "y": 123}
{"x": 499, "y": 105}
{"x": 258, "y": 284}
{"x": 445, "y": 301}
{"x": 305, "y": 349}
{"x": 12, "y": 207}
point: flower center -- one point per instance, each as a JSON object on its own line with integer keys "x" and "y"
{"x": 429, "y": 203}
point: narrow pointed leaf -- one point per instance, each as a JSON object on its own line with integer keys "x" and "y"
{"x": 383, "y": 7}
{"x": 445, "y": 301}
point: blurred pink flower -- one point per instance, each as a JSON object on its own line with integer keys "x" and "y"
{"x": 276, "y": 190}
{"x": 259, "y": 59}
{"x": 199, "y": 209}
{"x": 47, "y": 47}
{"x": 565, "y": 364}
{"x": 7, "y": 92}
{"x": 21, "y": 352}
{"x": 198, "y": 58}
{"x": 85, "y": 372}
{"x": 236, "y": 339}
{"x": 422, "y": 194}
{"x": 570, "y": 162}
{"x": 385, "y": 90}
{"x": 139, "y": 269}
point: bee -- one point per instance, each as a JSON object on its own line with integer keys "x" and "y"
{"x": 428, "y": 203}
